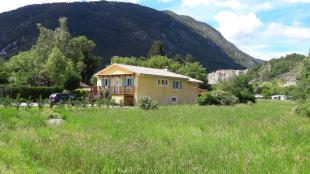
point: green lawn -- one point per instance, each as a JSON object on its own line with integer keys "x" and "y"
{"x": 263, "y": 138}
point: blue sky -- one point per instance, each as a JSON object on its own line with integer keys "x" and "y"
{"x": 263, "y": 29}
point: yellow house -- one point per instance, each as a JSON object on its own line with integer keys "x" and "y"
{"x": 127, "y": 84}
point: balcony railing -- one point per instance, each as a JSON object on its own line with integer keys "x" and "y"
{"x": 114, "y": 90}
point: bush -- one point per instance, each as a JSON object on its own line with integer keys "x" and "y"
{"x": 146, "y": 103}
{"x": 71, "y": 81}
{"x": 239, "y": 86}
{"x": 6, "y": 101}
{"x": 206, "y": 98}
{"x": 304, "y": 109}
{"x": 28, "y": 91}
{"x": 217, "y": 98}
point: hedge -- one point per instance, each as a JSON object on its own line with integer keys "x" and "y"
{"x": 28, "y": 91}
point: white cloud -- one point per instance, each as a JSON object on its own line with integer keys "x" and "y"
{"x": 285, "y": 32}
{"x": 298, "y": 1}
{"x": 230, "y": 4}
{"x": 235, "y": 27}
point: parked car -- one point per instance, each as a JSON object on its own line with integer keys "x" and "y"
{"x": 61, "y": 97}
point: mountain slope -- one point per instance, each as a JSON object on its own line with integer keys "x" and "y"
{"x": 209, "y": 32}
{"x": 121, "y": 29}
{"x": 284, "y": 69}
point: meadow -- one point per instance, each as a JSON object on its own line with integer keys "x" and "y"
{"x": 266, "y": 137}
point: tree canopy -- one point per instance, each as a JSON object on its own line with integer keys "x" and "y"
{"x": 157, "y": 49}
{"x": 54, "y": 54}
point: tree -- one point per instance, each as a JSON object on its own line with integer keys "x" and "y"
{"x": 157, "y": 49}
{"x": 82, "y": 52}
{"x": 71, "y": 80}
{"x": 159, "y": 62}
{"x": 195, "y": 70}
{"x": 239, "y": 86}
{"x": 4, "y": 76}
{"x": 56, "y": 66}
{"x": 54, "y": 52}
{"x": 24, "y": 69}
{"x": 304, "y": 80}
{"x": 188, "y": 58}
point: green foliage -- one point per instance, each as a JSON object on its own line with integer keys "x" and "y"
{"x": 274, "y": 68}
{"x": 54, "y": 54}
{"x": 206, "y": 98}
{"x": 56, "y": 66}
{"x": 29, "y": 91}
{"x": 6, "y": 101}
{"x": 17, "y": 102}
{"x": 4, "y": 75}
{"x": 71, "y": 81}
{"x": 146, "y": 103}
{"x": 304, "y": 108}
{"x": 195, "y": 70}
{"x": 157, "y": 49}
{"x": 304, "y": 80}
{"x": 217, "y": 97}
{"x": 40, "y": 102}
{"x": 239, "y": 86}
{"x": 284, "y": 64}
{"x": 191, "y": 69}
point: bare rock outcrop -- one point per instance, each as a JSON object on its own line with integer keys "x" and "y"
{"x": 222, "y": 75}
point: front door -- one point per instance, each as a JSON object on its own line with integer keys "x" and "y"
{"x": 116, "y": 85}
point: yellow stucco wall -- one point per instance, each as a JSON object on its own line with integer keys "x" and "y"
{"x": 146, "y": 85}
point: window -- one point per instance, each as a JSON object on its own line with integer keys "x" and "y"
{"x": 162, "y": 82}
{"x": 177, "y": 84}
{"x": 129, "y": 82}
{"x": 105, "y": 82}
{"x": 174, "y": 100}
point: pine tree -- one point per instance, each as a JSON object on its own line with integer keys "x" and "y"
{"x": 157, "y": 49}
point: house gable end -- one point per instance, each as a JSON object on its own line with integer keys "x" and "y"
{"x": 114, "y": 70}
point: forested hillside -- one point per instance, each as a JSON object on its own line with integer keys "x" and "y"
{"x": 122, "y": 29}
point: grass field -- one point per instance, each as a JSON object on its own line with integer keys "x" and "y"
{"x": 263, "y": 138}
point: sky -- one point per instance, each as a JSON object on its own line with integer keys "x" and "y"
{"x": 264, "y": 29}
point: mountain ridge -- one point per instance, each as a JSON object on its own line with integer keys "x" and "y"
{"x": 119, "y": 29}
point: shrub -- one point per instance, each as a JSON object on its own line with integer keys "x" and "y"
{"x": 146, "y": 103}
{"x": 28, "y": 91}
{"x": 304, "y": 109}
{"x": 40, "y": 102}
{"x": 217, "y": 97}
{"x": 71, "y": 81}
{"x": 6, "y": 101}
{"x": 206, "y": 98}
{"x": 239, "y": 86}
{"x": 18, "y": 102}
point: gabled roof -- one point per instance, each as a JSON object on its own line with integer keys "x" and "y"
{"x": 155, "y": 72}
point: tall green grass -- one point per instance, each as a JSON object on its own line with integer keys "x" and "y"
{"x": 263, "y": 138}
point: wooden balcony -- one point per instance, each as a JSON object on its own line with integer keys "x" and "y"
{"x": 114, "y": 90}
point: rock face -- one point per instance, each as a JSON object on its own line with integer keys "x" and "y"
{"x": 123, "y": 29}
{"x": 222, "y": 75}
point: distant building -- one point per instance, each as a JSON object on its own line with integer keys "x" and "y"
{"x": 259, "y": 96}
{"x": 279, "y": 97}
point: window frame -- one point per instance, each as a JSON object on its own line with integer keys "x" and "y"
{"x": 173, "y": 97}
{"x": 130, "y": 82}
{"x": 105, "y": 82}
{"x": 161, "y": 82}
{"x": 178, "y": 86}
